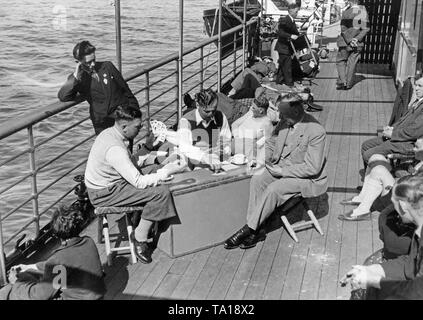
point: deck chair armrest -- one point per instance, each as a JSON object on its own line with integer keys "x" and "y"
{"x": 399, "y": 156}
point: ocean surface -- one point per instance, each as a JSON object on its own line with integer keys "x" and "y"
{"x": 36, "y": 42}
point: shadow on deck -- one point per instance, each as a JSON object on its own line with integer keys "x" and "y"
{"x": 279, "y": 268}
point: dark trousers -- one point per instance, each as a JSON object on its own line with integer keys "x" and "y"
{"x": 284, "y": 74}
{"x": 346, "y": 63}
{"x": 248, "y": 88}
{"x": 157, "y": 201}
{"x": 379, "y": 146}
{"x": 395, "y": 236}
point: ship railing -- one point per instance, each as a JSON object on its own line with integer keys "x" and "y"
{"x": 50, "y": 175}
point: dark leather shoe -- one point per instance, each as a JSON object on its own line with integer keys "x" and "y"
{"x": 236, "y": 239}
{"x": 253, "y": 239}
{"x": 142, "y": 250}
{"x": 349, "y": 202}
{"x": 341, "y": 87}
{"x": 348, "y": 216}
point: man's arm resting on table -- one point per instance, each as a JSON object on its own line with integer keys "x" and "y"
{"x": 119, "y": 159}
{"x": 184, "y": 136}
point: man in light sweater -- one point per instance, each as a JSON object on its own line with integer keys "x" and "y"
{"x": 112, "y": 179}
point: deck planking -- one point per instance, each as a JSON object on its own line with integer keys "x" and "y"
{"x": 279, "y": 268}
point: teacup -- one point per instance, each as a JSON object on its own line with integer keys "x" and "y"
{"x": 239, "y": 158}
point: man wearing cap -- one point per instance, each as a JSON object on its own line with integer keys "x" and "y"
{"x": 287, "y": 31}
{"x": 100, "y": 83}
{"x": 294, "y": 165}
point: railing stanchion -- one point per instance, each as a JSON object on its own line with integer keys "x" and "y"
{"x": 147, "y": 97}
{"x": 3, "y": 278}
{"x": 201, "y": 68}
{"x": 181, "y": 57}
{"x": 178, "y": 85}
{"x": 219, "y": 49}
{"x": 244, "y": 34}
{"x": 118, "y": 35}
{"x": 235, "y": 43}
{"x": 34, "y": 194}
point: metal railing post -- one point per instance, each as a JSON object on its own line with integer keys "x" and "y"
{"x": 147, "y": 97}
{"x": 3, "y": 278}
{"x": 219, "y": 49}
{"x": 118, "y": 35}
{"x": 34, "y": 194}
{"x": 201, "y": 68}
{"x": 181, "y": 57}
{"x": 244, "y": 33}
{"x": 178, "y": 103}
{"x": 235, "y": 40}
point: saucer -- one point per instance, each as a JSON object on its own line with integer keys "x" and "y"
{"x": 168, "y": 178}
{"x": 239, "y": 163}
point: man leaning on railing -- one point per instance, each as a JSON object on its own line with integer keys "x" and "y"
{"x": 100, "y": 83}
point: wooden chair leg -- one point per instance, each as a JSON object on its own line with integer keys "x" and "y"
{"x": 107, "y": 240}
{"x": 100, "y": 229}
{"x": 131, "y": 243}
{"x": 289, "y": 228}
{"x": 315, "y": 222}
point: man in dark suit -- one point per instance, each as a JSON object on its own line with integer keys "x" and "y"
{"x": 399, "y": 138}
{"x": 100, "y": 83}
{"x": 294, "y": 165}
{"x": 287, "y": 31}
{"x": 350, "y": 43}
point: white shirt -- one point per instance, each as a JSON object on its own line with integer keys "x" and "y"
{"x": 185, "y": 141}
{"x": 109, "y": 161}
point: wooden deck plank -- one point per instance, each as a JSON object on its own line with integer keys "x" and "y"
{"x": 190, "y": 276}
{"x": 242, "y": 277}
{"x": 208, "y": 274}
{"x": 226, "y": 274}
{"x": 295, "y": 274}
{"x": 364, "y": 228}
{"x": 337, "y": 161}
{"x": 316, "y": 255}
{"x": 278, "y": 271}
{"x": 261, "y": 272}
{"x": 167, "y": 286}
{"x": 164, "y": 263}
{"x": 348, "y": 254}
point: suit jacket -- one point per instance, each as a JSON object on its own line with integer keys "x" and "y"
{"x": 300, "y": 154}
{"x": 401, "y": 101}
{"x": 286, "y": 28}
{"x": 409, "y": 127}
{"x": 103, "y": 96}
{"x": 354, "y": 24}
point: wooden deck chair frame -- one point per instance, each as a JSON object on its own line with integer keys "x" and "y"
{"x": 300, "y": 225}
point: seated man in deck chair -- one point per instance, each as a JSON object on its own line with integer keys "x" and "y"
{"x": 401, "y": 136}
{"x": 378, "y": 182}
{"x": 112, "y": 179}
{"x": 294, "y": 166}
{"x": 399, "y": 278}
{"x": 246, "y": 83}
{"x": 73, "y": 271}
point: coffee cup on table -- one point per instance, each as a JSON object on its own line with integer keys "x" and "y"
{"x": 239, "y": 159}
